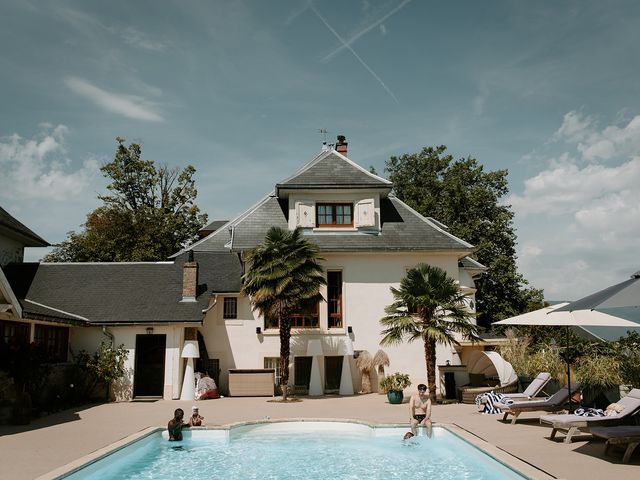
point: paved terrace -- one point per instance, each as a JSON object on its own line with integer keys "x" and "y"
{"x": 27, "y": 452}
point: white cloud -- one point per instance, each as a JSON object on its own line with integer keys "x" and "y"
{"x": 578, "y": 219}
{"x": 594, "y": 144}
{"x": 130, "y": 106}
{"x": 38, "y": 168}
{"x": 564, "y": 188}
{"x": 137, "y": 38}
{"x": 575, "y": 127}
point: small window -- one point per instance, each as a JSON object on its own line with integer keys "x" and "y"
{"x": 230, "y": 307}
{"x": 334, "y": 214}
{"x": 334, "y": 299}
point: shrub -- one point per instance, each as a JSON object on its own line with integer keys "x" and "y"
{"x": 598, "y": 371}
{"x": 396, "y": 382}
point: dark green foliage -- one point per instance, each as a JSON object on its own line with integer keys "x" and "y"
{"x": 148, "y": 215}
{"x": 440, "y": 311}
{"x": 283, "y": 277}
{"x": 460, "y": 194}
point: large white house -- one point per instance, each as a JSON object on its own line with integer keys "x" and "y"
{"x": 367, "y": 237}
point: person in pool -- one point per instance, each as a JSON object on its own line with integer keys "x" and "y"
{"x": 420, "y": 410}
{"x": 195, "y": 420}
{"x": 175, "y": 426}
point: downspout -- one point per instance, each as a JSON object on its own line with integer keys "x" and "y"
{"x": 213, "y": 304}
{"x": 107, "y": 333}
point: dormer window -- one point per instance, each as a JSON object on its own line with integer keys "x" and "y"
{"x": 334, "y": 214}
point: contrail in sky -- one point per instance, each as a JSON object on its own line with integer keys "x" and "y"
{"x": 353, "y": 39}
{"x": 348, "y": 47}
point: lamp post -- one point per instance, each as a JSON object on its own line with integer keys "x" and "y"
{"x": 346, "y": 383}
{"x": 190, "y": 351}
{"x": 314, "y": 350}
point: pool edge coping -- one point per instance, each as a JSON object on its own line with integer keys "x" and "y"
{"x": 510, "y": 461}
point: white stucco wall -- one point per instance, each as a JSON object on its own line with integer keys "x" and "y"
{"x": 366, "y": 292}
{"x": 88, "y": 338}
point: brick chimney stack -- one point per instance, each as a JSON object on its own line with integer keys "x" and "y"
{"x": 189, "y": 279}
{"x": 341, "y": 145}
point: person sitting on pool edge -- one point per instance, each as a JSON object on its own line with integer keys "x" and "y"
{"x": 175, "y": 426}
{"x": 195, "y": 420}
{"x": 420, "y": 410}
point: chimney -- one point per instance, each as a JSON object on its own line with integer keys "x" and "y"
{"x": 341, "y": 145}
{"x": 189, "y": 279}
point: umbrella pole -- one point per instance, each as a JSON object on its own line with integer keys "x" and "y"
{"x": 566, "y": 342}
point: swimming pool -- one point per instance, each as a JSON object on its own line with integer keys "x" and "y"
{"x": 316, "y": 450}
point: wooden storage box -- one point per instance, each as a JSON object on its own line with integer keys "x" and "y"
{"x": 251, "y": 382}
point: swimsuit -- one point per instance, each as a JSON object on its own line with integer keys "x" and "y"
{"x": 419, "y": 418}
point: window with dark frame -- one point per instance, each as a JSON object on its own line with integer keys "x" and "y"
{"x": 54, "y": 341}
{"x": 334, "y": 298}
{"x": 334, "y": 214}
{"x": 309, "y": 318}
{"x": 230, "y": 308}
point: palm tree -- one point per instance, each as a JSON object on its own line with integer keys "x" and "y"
{"x": 283, "y": 277}
{"x": 428, "y": 306}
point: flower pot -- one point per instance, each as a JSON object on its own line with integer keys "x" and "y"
{"x": 395, "y": 397}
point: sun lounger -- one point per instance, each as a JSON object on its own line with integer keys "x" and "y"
{"x": 554, "y": 403}
{"x": 628, "y": 435}
{"x": 532, "y": 390}
{"x": 571, "y": 424}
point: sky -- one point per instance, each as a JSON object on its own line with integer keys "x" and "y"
{"x": 548, "y": 90}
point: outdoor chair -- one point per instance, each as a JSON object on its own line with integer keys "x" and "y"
{"x": 469, "y": 394}
{"x": 572, "y": 424}
{"x": 621, "y": 435}
{"x": 554, "y": 403}
{"x": 532, "y": 390}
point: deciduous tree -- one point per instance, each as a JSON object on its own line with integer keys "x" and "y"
{"x": 466, "y": 198}
{"x": 148, "y": 214}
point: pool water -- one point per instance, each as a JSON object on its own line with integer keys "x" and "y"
{"x": 300, "y": 450}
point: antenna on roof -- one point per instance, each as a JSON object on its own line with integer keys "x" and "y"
{"x": 324, "y": 143}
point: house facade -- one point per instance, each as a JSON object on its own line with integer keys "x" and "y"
{"x": 368, "y": 240}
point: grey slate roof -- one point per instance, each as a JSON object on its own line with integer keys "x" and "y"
{"x": 402, "y": 230}
{"x": 331, "y": 170}
{"x": 120, "y": 293}
{"x": 14, "y": 227}
{"x": 213, "y": 226}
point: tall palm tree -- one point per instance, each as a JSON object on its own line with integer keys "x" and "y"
{"x": 283, "y": 277}
{"x": 428, "y": 306}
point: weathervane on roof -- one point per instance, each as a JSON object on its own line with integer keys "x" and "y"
{"x": 324, "y": 132}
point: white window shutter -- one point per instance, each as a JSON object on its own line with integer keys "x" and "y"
{"x": 365, "y": 213}
{"x": 306, "y": 215}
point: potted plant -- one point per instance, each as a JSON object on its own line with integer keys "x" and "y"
{"x": 394, "y": 385}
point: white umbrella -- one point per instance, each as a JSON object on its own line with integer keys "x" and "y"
{"x": 558, "y": 316}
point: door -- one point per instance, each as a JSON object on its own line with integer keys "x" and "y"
{"x": 332, "y": 373}
{"x": 302, "y": 373}
{"x": 148, "y": 379}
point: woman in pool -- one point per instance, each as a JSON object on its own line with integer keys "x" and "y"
{"x": 420, "y": 410}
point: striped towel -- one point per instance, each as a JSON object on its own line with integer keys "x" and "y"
{"x": 486, "y": 402}
{"x": 589, "y": 412}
